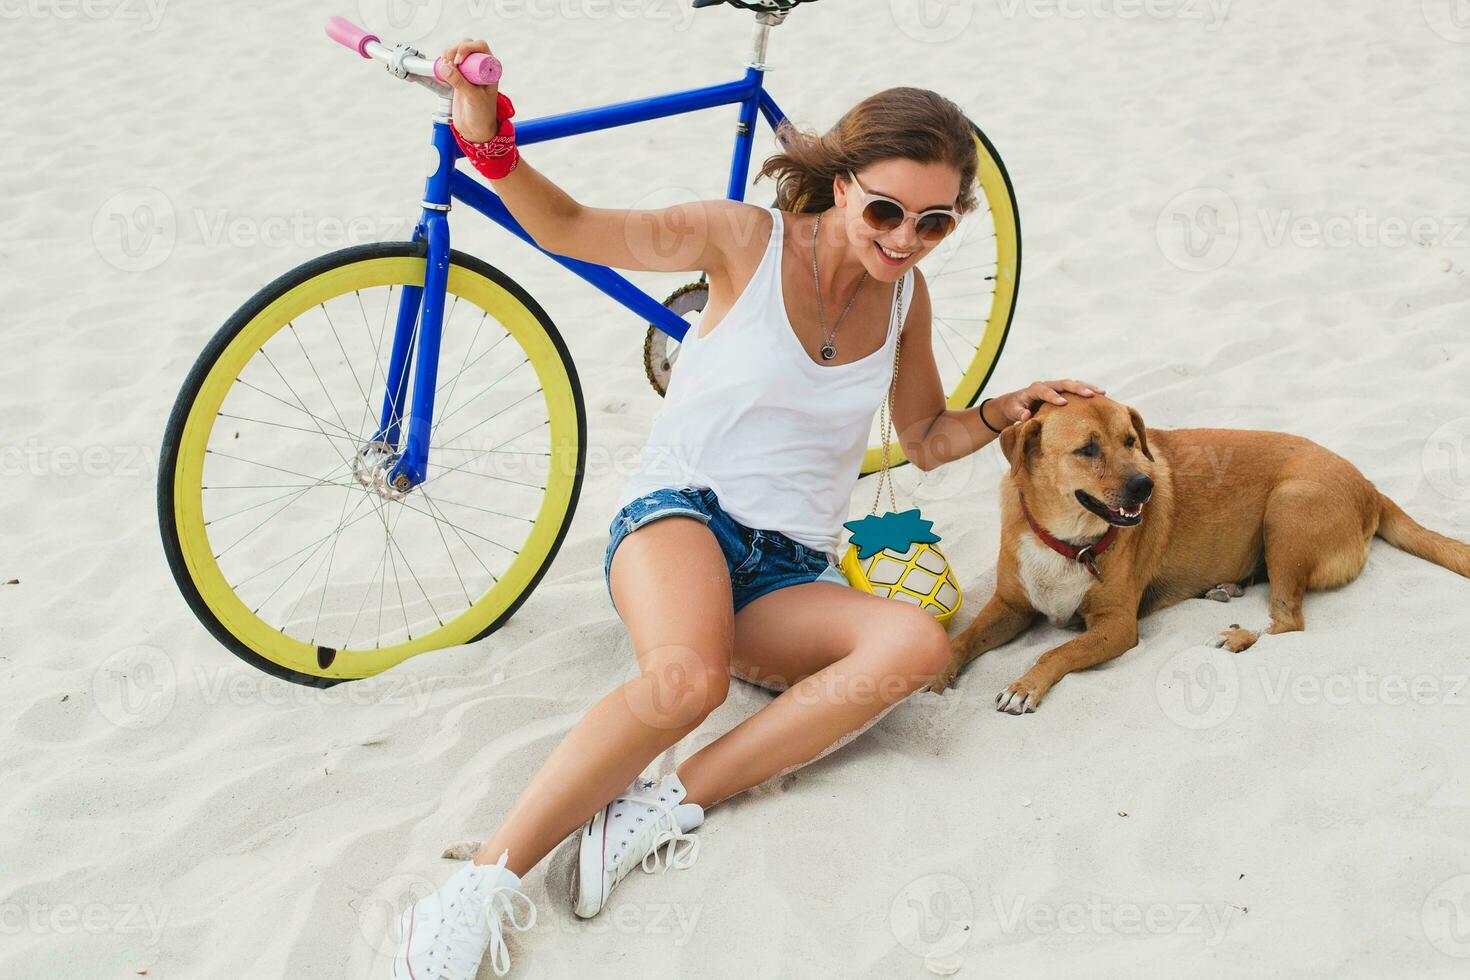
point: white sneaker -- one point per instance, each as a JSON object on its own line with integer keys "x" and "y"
{"x": 445, "y": 935}
{"x": 628, "y": 832}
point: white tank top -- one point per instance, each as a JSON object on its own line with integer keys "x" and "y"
{"x": 748, "y": 414}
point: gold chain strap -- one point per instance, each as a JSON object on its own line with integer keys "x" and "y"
{"x": 886, "y": 411}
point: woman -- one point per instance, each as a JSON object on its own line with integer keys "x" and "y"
{"x": 721, "y": 559}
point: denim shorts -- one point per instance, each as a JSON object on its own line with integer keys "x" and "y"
{"x": 759, "y": 561}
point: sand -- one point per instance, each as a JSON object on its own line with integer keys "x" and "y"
{"x": 1298, "y": 810}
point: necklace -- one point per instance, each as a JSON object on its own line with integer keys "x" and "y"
{"x": 829, "y": 345}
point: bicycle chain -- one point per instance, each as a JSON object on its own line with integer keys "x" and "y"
{"x": 648, "y": 338}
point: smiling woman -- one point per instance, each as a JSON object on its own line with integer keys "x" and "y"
{"x": 722, "y": 555}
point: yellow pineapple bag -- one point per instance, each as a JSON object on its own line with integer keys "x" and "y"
{"x": 895, "y": 555}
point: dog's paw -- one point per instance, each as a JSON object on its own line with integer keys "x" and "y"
{"x": 1225, "y": 591}
{"x": 1236, "y": 639}
{"x": 1017, "y": 699}
{"x": 944, "y": 681}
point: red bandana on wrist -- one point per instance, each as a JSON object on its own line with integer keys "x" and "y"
{"x": 498, "y": 155}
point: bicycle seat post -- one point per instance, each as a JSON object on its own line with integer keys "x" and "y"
{"x": 764, "y": 21}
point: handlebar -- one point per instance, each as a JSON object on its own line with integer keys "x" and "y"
{"x": 403, "y": 61}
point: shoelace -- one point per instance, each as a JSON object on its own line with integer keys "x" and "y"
{"x": 464, "y": 922}
{"x": 673, "y": 836}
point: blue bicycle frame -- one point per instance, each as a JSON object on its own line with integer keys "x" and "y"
{"x": 424, "y": 306}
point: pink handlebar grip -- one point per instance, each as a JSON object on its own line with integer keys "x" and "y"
{"x": 348, "y": 34}
{"x": 480, "y": 69}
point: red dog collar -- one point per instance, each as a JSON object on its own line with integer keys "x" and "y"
{"x": 1086, "y": 556}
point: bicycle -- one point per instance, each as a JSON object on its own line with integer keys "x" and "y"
{"x": 461, "y": 559}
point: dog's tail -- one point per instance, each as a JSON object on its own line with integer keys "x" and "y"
{"x": 1402, "y": 531}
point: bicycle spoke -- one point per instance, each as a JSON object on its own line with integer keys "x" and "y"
{"x": 367, "y": 407}
{"x": 312, "y": 364}
{"x": 397, "y": 582}
{"x": 295, "y": 428}
{"x": 346, "y": 358}
{"x": 298, "y": 399}
{"x": 296, "y": 489}
{"x": 452, "y": 563}
{"x": 456, "y": 527}
{"x": 367, "y": 591}
{"x": 471, "y": 461}
{"x": 327, "y": 584}
{"x": 465, "y": 360}
{"x": 476, "y": 398}
{"x": 314, "y": 544}
{"x": 486, "y": 510}
{"x": 496, "y": 415}
{"x": 973, "y": 347}
{"x": 295, "y": 408}
{"x": 268, "y": 466}
{"x": 301, "y": 493}
{"x": 476, "y": 555}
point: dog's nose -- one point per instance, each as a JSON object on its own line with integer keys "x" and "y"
{"x": 1138, "y": 487}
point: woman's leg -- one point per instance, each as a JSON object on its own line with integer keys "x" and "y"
{"x": 672, "y": 588}
{"x": 843, "y": 656}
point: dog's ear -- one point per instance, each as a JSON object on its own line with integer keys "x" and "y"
{"x": 1018, "y": 442}
{"x": 1141, "y": 432}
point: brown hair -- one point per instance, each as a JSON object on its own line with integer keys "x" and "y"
{"x": 896, "y": 123}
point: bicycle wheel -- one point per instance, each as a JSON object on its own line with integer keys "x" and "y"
{"x": 973, "y": 279}
{"x": 283, "y": 545}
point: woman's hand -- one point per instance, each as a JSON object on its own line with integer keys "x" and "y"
{"x": 473, "y": 111}
{"x": 1016, "y": 406}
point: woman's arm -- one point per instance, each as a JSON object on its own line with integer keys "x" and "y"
{"x": 932, "y": 434}
{"x": 680, "y": 238}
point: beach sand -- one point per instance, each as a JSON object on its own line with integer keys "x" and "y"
{"x": 1302, "y": 809}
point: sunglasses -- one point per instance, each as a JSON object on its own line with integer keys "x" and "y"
{"x": 886, "y": 214}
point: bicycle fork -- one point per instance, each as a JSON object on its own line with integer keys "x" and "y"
{"x": 397, "y": 458}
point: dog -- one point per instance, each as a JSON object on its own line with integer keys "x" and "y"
{"x": 1104, "y": 521}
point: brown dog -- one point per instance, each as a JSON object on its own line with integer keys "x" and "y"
{"x": 1103, "y": 521}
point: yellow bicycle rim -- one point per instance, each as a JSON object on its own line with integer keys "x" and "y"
{"x": 565, "y": 435}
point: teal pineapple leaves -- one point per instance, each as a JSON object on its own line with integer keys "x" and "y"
{"x": 892, "y": 531}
